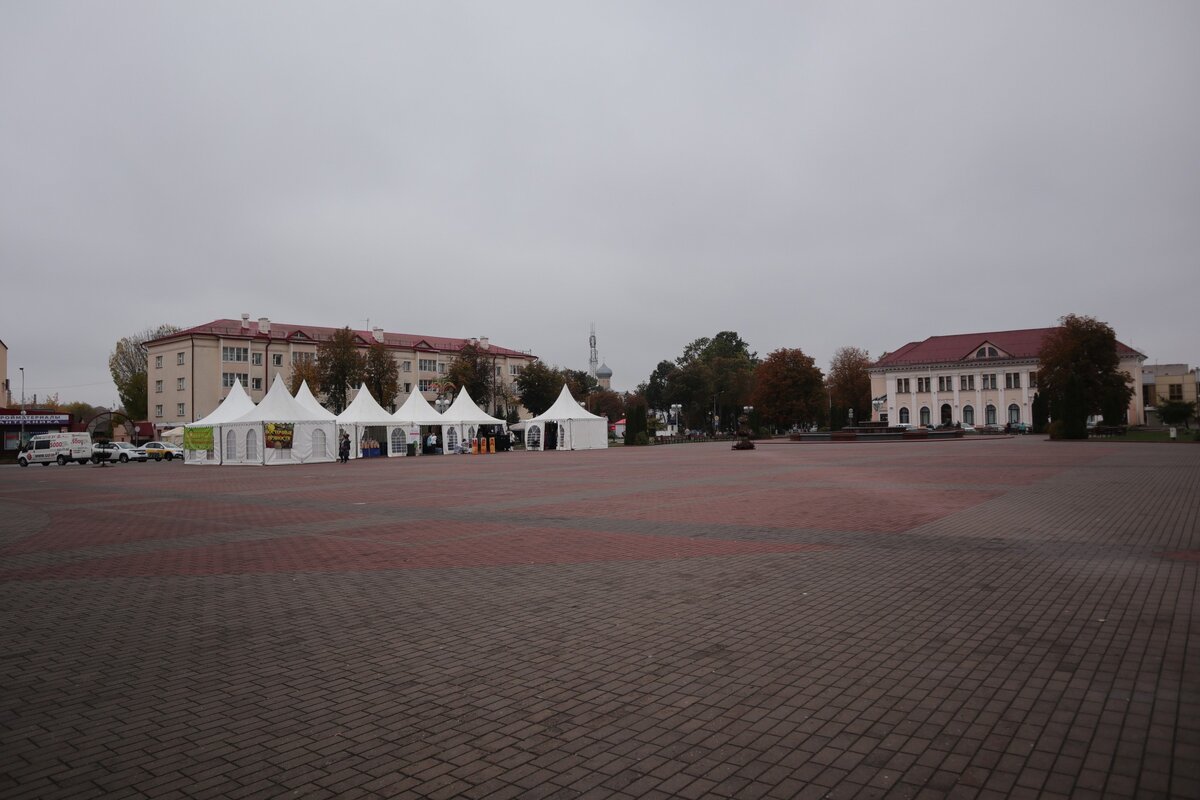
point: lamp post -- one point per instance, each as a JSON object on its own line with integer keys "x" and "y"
{"x": 22, "y": 405}
{"x": 743, "y": 442}
{"x": 676, "y": 410}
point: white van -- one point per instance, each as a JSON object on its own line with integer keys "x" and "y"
{"x": 61, "y": 448}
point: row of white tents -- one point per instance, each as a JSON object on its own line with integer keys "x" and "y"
{"x": 283, "y": 429}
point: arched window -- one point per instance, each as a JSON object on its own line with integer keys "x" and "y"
{"x": 251, "y": 446}
{"x": 1014, "y": 413}
{"x": 947, "y": 417}
{"x": 399, "y": 441}
{"x": 986, "y": 352}
{"x": 925, "y": 416}
{"x": 230, "y": 446}
{"x": 320, "y": 444}
{"x": 451, "y": 440}
{"x": 990, "y": 414}
{"x": 533, "y": 437}
{"x": 969, "y": 415}
{"x": 562, "y": 436}
{"x": 903, "y": 416}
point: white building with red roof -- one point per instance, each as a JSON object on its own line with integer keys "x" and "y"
{"x": 972, "y": 378}
{"x": 189, "y": 372}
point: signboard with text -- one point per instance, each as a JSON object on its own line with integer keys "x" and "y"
{"x": 197, "y": 438}
{"x": 35, "y": 419}
{"x": 278, "y": 434}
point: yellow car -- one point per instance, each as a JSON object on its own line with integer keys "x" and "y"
{"x": 160, "y": 450}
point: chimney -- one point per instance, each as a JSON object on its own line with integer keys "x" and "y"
{"x": 377, "y": 332}
{"x": 264, "y": 325}
{"x": 245, "y": 322}
{"x": 483, "y": 343}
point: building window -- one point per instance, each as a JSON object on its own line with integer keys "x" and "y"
{"x": 425, "y": 384}
{"x": 158, "y": 387}
{"x": 427, "y": 364}
{"x": 228, "y": 379}
{"x": 966, "y": 383}
{"x": 408, "y": 388}
{"x": 1012, "y": 380}
{"x": 968, "y": 415}
{"x": 945, "y": 383}
{"x": 1175, "y": 392}
{"x": 515, "y": 369}
{"x": 158, "y": 410}
{"x": 256, "y": 383}
{"x": 902, "y": 386}
{"x": 303, "y": 358}
{"x": 989, "y": 382}
{"x": 180, "y": 384}
{"x": 158, "y": 362}
{"x": 179, "y": 359}
{"x": 235, "y": 353}
{"x": 923, "y": 384}
{"x": 277, "y": 359}
{"x": 406, "y": 366}
{"x": 441, "y": 367}
{"x": 990, "y": 414}
{"x": 1033, "y": 380}
{"x": 256, "y": 359}
{"x": 925, "y": 416}
{"x": 181, "y": 409}
{"x": 986, "y": 352}
{"x": 1014, "y": 413}
{"x": 904, "y": 415}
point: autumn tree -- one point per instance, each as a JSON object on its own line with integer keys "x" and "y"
{"x": 538, "y": 386}
{"x": 340, "y": 366}
{"x": 471, "y": 369}
{"x": 303, "y": 371}
{"x": 1080, "y": 374}
{"x": 849, "y": 382}
{"x": 788, "y": 389}
{"x": 607, "y": 403}
{"x": 382, "y": 375}
{"x": 580, "y": 384}
{"x": 128, "y": 365}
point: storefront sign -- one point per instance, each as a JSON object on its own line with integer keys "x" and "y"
{"x": 197, "y": 438}
{"x": 278, "y": 434}
{"x": 35, "y": 419}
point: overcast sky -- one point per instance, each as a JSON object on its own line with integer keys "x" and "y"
{"x": 808, "y": 174}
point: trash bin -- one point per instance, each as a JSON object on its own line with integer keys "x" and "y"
{"x": 412, "y": 448}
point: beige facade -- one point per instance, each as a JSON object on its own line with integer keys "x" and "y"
{"x": 190, "y": 372}
{"x": 977, "y": 379}
{"x": 1167, "y": 382}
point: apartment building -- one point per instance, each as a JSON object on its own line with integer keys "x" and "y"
{"x": 1172, "y": 382}
{"x": 972, "y": 378}
{"x": 189, "y": 372}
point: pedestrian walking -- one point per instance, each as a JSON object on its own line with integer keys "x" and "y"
{"x": 344, "y": 448}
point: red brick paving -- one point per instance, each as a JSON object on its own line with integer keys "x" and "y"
{"x": 1003, "y": 618}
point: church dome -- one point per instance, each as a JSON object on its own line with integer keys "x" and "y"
{"x": 604, "y": 371}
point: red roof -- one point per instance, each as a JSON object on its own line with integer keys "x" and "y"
{"x": 283, "y": 331}
{"x": 963, "y": 346}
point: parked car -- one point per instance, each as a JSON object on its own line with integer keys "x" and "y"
{"x": 127, "y": 452}
{"x": 105, "y": 452}
{"x": 160, "y": 450}
{"x": 968, "y": 427}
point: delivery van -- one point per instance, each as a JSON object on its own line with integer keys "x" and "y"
{"x": 59, "y": 448}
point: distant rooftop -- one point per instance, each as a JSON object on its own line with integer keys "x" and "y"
{"x": 966, "y": 347}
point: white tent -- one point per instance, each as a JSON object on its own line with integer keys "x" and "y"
{"x": 409, "y": 418}
{"x": 279, "y": 430}
{"x": 462, "y": 420}
{"x": 364, "y": 412}
{"x": 304, "y": 397}
{"x": 236, "y": 404}
{"x": 578, "y": 428}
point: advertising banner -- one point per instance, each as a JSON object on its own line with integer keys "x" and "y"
{"x": 278, "y": 434}
{"x": 197, "y": 438}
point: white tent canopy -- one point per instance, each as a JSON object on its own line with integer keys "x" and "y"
{"x": 304, "y": 397}
{"x": 462, "y": 420}
{"x": 279, "y": 430}
{"x": 578, "y": 428}
{"x": 364, "y": 412}
{"x": 236, "y": 404}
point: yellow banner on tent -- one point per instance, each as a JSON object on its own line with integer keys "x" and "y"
{"x": 197, "y": 438}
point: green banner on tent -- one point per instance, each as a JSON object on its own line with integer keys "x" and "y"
{"x": 197, "y": 438}
{"x": 278, "y": 434}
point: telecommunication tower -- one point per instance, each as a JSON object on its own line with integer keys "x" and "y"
{"x": 594, "y": 359}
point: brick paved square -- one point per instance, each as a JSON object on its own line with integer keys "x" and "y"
{"x": 1007, "y": 617}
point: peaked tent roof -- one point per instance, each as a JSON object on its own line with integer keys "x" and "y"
{"x": 363, "y": 410}
{"x": 417, "y": 411}
{"x": 464, "y": 411}
{"x": 566, "y": 407}
{"x": 279, "y": 406}
{"x": 235, "y": 404}
{"x": 305, "y": 397}
{"x": 962, "y": 346}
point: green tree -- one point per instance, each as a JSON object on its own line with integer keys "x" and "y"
{"x": 472, "y": 369}
{"x": 128, "y": 365}
{"x": 788, "y": 389}
{"x": 850, "y": 383}
{"x": 655, "y": 390}
{"x": 1175, "y": 412}
{"x": 608, "y": 403}
{"x": 381, "y": 373}
{"x": 580, "y": 383}
{"x": 340, "y": 366}
{"x": 636, "y": 427}
{"x": 1041, "y": 412}
{"x": 303, "y": 371}
{"x": 538, "y": 386}
{"x": 1080, "y": 374}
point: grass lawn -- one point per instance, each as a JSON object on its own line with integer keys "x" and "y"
{"x": 1182, "y": 434}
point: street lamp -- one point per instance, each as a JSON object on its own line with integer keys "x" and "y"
{"x": 743, "y": 442}
{"x": 676, "y": 410}
{"x": 22, "y": 405}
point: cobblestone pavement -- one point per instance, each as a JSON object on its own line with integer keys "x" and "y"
{"x": 995, "y": 618}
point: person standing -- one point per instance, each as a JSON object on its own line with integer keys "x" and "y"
{"x": 344, "y": 448}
